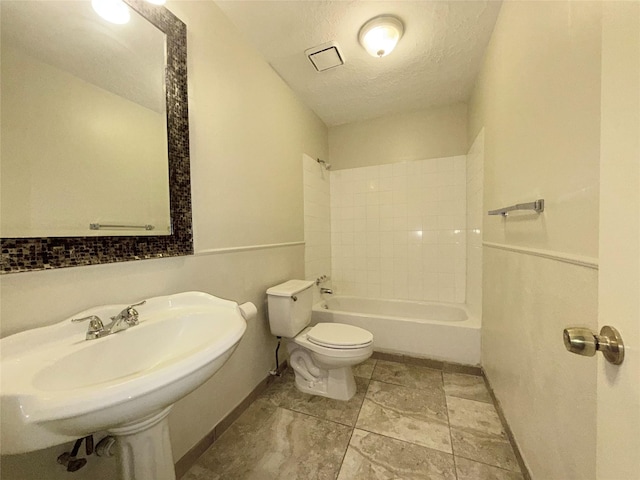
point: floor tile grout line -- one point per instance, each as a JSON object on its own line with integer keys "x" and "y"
{"x": 466, "y": 398}
{"x": 291, "y": 409}
{"x": 504, "y": 437}
{"x": 489, "y": 465}
{"x": 307, "y": 414}
{"x": 448, "y": 420}
{"x": 429, "y": 389}
{"x": 472, "y": 400}
{"x": 453, "y": 452}
{"x": 370, "y": 379}
{"x": 419, "y": 390}
{"x": 405, "y": 441}
{"x": 397, "y": 439}
{"x": 353, "y": 429}
{"x": 405, "y": 386}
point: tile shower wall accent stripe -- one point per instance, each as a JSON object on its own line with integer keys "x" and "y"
{"x": 399, "y": 230}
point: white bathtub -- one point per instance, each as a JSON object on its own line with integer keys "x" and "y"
{"x": 438, "y": 331}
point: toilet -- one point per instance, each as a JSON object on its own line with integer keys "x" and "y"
{"x": 321, "y": 356}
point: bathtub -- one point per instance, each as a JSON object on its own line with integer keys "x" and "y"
{"x": 439, "y": 331}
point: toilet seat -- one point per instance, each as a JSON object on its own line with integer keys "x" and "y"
{"x": 339, "y": 336}
{"x": 303, "y": 340}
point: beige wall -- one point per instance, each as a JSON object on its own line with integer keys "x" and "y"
{"x": 538, "y": 98}
{"x": 248, "y": 133}
{"x": 547, "y": 394}
{"x": 431, "y": 133}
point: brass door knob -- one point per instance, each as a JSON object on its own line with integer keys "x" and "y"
{"x": 583, "y": 341}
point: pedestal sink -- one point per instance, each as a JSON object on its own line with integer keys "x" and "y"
{"x": 56, "y": 386}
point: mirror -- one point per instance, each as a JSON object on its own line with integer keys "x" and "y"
{"x": 84, "y": 143}
{"x": 95, "y": 158}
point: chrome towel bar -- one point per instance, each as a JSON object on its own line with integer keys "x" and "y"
{"x": 101, "y": 226}
{"x": 538, "y": 206}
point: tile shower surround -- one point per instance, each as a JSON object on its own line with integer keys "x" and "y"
{"x": 406, "y": 421}
{"x": 475, "y": 212}
{"x": 317, "y": 219}
{"x": 399, "y": 230}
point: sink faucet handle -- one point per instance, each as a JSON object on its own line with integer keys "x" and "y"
{"x": 91, "y": 318}
{"x": 130, "y": 314}
{"x": 96, "y": 326}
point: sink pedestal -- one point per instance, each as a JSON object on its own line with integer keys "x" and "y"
{"x": 143, "y": 449}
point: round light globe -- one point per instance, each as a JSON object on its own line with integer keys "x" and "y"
{"x": 114, "y": 11}
{"x": 380, "y": 35}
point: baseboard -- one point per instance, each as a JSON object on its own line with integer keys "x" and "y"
{"x": 188, "y": 459}
{"x": 516, "y": 449}
{"x": 448, "y": 367}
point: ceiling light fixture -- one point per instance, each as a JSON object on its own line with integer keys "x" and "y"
{"x": 380, "y": 35}
{"x": 114, "y": 11}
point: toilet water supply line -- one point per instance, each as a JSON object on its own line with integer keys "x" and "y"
{"x": 275, "y": 372}
{"x": 301, "y": 364}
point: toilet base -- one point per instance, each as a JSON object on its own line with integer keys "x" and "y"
{"x": 337, "y": 383}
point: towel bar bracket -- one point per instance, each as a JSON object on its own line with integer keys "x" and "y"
{"x": 537, "y": 206}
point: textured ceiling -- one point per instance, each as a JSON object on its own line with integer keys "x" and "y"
{"x": 435, "y": 63}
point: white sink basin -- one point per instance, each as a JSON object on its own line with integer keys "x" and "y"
{"x": 56, "y": 386}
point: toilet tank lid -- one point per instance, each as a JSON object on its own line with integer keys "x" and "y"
{"x": 292, "y": 287}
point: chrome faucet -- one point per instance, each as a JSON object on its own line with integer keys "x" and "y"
{"x": 95, "y": 326}
{"x": 125, "y": 319}
{"x": 328, "y": 291}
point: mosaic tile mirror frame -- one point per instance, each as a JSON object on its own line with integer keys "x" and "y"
{"x": 27, "y": 254}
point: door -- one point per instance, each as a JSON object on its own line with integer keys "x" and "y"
{"x": 618, "y": 437}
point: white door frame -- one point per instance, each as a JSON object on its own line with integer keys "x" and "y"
{"x": 618, "y": 391}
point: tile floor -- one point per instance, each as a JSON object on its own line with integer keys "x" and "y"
{"x": 405, "y": 422}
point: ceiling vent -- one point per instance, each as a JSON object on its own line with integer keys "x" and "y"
{"x": 326, "y": 56}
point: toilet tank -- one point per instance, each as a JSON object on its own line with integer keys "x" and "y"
{"x": 290, "y": 307}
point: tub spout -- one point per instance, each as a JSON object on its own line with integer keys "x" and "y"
{"x": 328, "y": 291}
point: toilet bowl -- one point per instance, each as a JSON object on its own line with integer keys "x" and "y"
{"x": 323, "y": 367}
{"x": 322, "y": 355}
